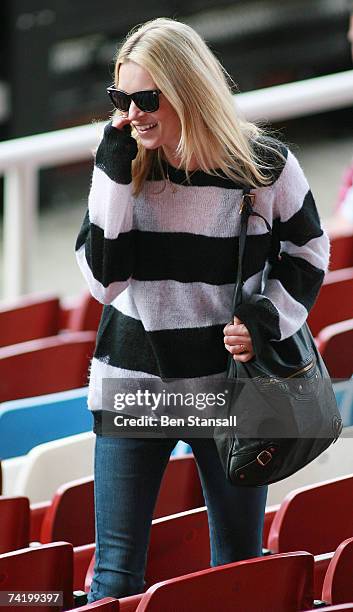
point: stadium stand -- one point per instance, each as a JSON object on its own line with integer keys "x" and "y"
{"x": 29, "y": 317}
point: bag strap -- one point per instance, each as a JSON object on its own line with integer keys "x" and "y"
{"x": 246, "y": 210}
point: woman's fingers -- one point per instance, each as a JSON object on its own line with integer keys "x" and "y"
{"x": 119, "y": 121}
{"x": 233, "y": 340}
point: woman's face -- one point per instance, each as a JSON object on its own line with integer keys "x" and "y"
{"x": 165, "y": 125}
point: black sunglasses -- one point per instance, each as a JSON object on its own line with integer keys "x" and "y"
{"x": 147, "y": 101}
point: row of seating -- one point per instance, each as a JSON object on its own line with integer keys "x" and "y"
{"x": 290, "y": 576}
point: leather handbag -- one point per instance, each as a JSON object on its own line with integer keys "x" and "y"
{"x": 283, "y": 400}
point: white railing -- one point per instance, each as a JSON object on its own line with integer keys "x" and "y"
{"x": 21, "y": 159}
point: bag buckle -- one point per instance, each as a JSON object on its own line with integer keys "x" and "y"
{"x": 264, "y": 457}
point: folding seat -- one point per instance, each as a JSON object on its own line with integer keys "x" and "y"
{"x": 70, "y": 516}
{"x": 29, "y": 317}
{"x": 180, "y": 490}
{"x": 341, "y": 252}
{"x": 45, "y": 568}
{"x": 47, "y": 466}
{"x": 334, "y": 462}
{"x": 46, "y": 365}
{"x": 277, "y": 583}
{"x": 315, "y": 518}
{"x": 25, "y": 423}
{"x": 335, "y": 300}
{"x": 14, "y": 523}
{"x": 335, "y": 345}
{"x": 338, "y": 584}
{"x": 85, "y": 315}
{"x": 179, "y": 544}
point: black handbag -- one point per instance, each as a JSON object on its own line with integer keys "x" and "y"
{"x": 283, "y": 400}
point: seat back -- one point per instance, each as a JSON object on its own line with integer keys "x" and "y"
{"x": 14, "y": 523}
{"x": 310, "y": 518}
{"x": 338, "y": 585}
{"x": 50, "y": 465}
{"x": 179, "y": 544}
{"x": 180, "y": 488}
{"x": 29, "y": 317}
{"x": 46, "y": 365}
{"x": 281, "y": 582}
{"x": 25, "y": 423}
{"x": 44, "y": 568}
{"x": 86, "y": 315}
{"x": 335, "y": 345}
{"x": 64, "y": 519}
{"x": 335, "y": 300}
{"x": 341, "y": 251}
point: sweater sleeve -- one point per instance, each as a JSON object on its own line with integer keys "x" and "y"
{"x": 104, "y": 246}
{"x": 292, "y": 281}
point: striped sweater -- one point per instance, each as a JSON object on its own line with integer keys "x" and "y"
{"x": 164, "y": 264}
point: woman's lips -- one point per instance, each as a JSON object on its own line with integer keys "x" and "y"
{"x": 142, "y": 129}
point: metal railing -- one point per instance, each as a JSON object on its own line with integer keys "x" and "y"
{"x": 22, "y": 158}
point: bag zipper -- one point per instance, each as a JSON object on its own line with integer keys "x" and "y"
{"x": 304, "y": 369}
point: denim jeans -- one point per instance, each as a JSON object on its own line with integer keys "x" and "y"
{"x": 128, "y": 473}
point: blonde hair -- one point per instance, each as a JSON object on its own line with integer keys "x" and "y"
{"x": 196, "y": 85}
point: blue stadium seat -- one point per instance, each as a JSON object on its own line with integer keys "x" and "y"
{"x": 28, "y": 422}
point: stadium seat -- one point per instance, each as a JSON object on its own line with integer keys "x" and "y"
{"x": 334, "y": 462}
{"x": 316, "y": 518}
{"x": 48, "y": 466}
{"x": 14, "y": 523}
{"x": 28, "y": 318}
{"x": 277, "y": 583}
{"x": 335, "y": 345}
{"x": 28, "y": 422}
{"x": 180, "y": 490}
{"x": 45, "y": 568}
{"x": 179, "y": 544}
{"x": 335, "y": 300}
{"x": 341, "y": 251}
{"x": 86, "y": 314}
{"x": 70, "y": 516}
{"x": 46, "y": 365}
{"x": 338, "y": 584}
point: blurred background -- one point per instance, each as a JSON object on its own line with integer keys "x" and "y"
{"x": 57, "y": 57}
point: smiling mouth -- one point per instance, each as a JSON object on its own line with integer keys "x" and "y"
{"x": 142, "y": 129}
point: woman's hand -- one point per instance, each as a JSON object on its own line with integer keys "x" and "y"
{"x": 237, "y": 341}
{"x": 119, "y": 121}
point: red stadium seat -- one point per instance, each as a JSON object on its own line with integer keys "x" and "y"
{"x": 14, "y": 523}
{"x": 179, "y": 544}
{"x": 64, "y": 519}
{"x": 46, "y": 365}
{"x": 335, "y": 345}
{"x": 28, "y": 318}
{"x": 341, "y": 255}
{"x": 277, "y": 583}
{"x": 338, "y": 584}
{"x": 86, "y": 315}
{"x": 45, "y": 568}
{"x": 180, "y": 490}
{"x": 316, "y": 518}
{"x": 335, "y": 301}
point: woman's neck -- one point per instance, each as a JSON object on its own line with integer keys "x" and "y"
{"x": 174, "y": 160}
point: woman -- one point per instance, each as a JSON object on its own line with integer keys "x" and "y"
{"x": 158, "y": 248}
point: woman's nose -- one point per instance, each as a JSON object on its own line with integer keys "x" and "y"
{"x": 134, "y": 111}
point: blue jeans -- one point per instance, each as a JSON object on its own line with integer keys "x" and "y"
{"x": 128, "y": 473}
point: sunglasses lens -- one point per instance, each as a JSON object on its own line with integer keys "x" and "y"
{"x": 147, "y": 101}
{"x": 120, "y": 100}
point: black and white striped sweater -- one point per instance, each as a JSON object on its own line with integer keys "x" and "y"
{"x": 164, "y": 265}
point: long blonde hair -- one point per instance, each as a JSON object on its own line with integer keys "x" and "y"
{"x": 196, "y": 84}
